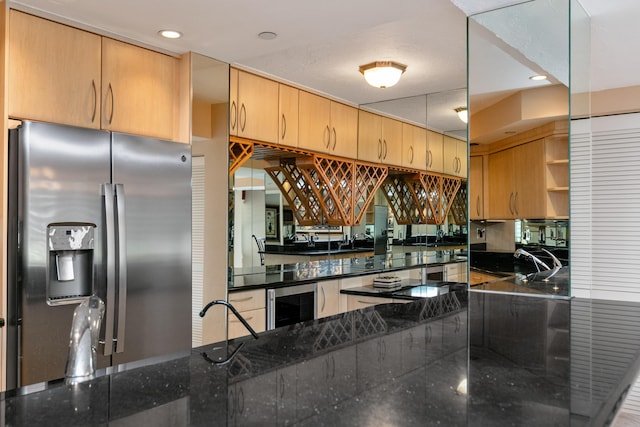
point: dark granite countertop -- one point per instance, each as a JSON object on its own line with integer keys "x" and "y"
{"x": 407, "y": 289}
{"x": 459, "y": 359}
{"x": 274, "y": 276}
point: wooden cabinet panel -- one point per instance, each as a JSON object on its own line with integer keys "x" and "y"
{"x": 414, "y": 147}
{"x": 288, "y": 119}
{"x": 435, "y": 152}
{"x": 54, "y": 72}
{"x": 370, "y": 147}
{"x": 314, "y": 132}
{"x": 379, "y": 139}
{"x": 328, "y": 298}
{"x": 344, "y": 130}
{"x": 248, "y": 300}
{"x": 254, "y": 107}
{"x": 516, "y": 181}
{"x": 455, "y": 156}
{"x": 529, "y": 176}
{"x": 139, "y": 94}
{"x": 257, "y": 319}
{"x": 327, "y": 126}
{"x": 476, "y": 190}
{"x": 500, "y": 185}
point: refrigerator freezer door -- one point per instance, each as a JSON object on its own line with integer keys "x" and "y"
{"x": 153, "y": 180}
{"x": 55, "y": 177}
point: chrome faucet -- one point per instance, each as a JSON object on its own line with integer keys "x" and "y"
{"x": 83, "y": 340}
{"x": 557, "y": 265}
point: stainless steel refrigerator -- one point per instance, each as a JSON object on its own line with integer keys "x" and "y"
{"x": 95, "y": 212}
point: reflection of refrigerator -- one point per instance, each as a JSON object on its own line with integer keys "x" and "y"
{"x": 380, "y": 218}
{"x": 93, "y": 212}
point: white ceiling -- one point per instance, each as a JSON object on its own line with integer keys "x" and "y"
{"x": 320, "y": 44}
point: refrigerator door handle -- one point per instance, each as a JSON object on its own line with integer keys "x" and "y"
{"x": 111, "y": 268}
{"x": 122, "y": 267}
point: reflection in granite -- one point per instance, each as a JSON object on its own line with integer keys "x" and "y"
{"x": 531, "y": 361}
{"x": 535, "y": 283}
{"x": 285, "y": 274}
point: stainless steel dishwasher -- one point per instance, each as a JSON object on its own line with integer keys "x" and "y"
{"x": 291, "y": 304}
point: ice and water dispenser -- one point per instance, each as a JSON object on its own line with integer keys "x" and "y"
{"x": 70, "y": 262}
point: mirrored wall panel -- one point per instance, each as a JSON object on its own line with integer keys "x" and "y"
{"x": 519, "y": 102}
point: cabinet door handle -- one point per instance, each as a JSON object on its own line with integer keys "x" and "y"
{"x": 411, "y": 155}
{"x": 455, "y": 164}
{"x": 243, "y": 117}
{"x": 232, "y": 403}
{"x": 284, "y": 126}
{"x": 379, "y": 149}
{"x": 335, "y": 138}
{"x": 113, "y": 102}
{"x": 385, "y": 149}
{"x": 324, "y": 299}
{"x": 429, "y": 159}
{"x": 478, "y": 205}
{"x": 510, "y": 202}
{"x": 515, "y": 203}
{"x": 328, "y": 137}
{"x": 237, "y": 321}
{"x": 240, "y": 397}
{"x": 95, "y": 100}
{"x": 234, "y": 115}
{"x": 241, "y": 299}
{"x": 281, "y": 386}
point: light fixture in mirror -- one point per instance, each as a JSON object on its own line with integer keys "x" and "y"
{"x": 462, "y": 114}
{"x": 382, "y": 74}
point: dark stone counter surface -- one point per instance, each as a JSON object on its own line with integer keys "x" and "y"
{"x": 274, "y": 276}
{"x": 458, "y": 359}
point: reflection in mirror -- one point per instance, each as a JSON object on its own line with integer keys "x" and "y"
{"x": 518, "y": 133}
{"x": 209, "y": 147}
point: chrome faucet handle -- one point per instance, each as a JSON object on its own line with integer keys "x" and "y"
{"x": 556, "y": 261}
{"x": 537, "y": 262}
{"x": 83, "y": 339}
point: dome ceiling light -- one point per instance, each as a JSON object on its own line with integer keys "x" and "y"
{"x": 382, "y": 74}
{"x": 462, "y": 114}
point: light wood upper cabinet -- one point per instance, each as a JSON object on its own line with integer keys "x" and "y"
{"x": 64, "y": 75}
{"x": 414, "y": 147}
{"x": 139, "y": 93}
{"x": 327, "y": 126}
{"x": 288, "y": 111}
{"x": 516, "y": 182}
{"x": 379, "y": 139}
{"x": 455, "y": 156}
{"x": 253, "y": 101}
{"x": 54, "y": 72}
{"x": 435, "y": 154}
{"x": 476, "y": 191}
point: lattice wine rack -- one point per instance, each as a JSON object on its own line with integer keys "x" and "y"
{"x": 329, "y": 190}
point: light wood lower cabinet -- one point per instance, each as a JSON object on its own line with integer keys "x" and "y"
{"x": 328, "y": 298}
{"x": 455, "y": 272}
{"x": 252, "y": 306}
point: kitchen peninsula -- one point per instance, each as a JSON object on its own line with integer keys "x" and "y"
{"x": 395, "y": 364}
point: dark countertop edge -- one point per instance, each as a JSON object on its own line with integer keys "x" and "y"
{"x": 282, "y": 284}
{"x": 318, "y": 252}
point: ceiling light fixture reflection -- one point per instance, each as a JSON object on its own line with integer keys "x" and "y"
{"x": 538, "y": 77}
{"x": 170, "y": 34}
{"x": 462, "y": 114}
{"x": 382, "y": 74}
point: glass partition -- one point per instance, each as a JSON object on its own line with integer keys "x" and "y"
{"x": 519, "y": 80}
{"x": 209, "y": 148}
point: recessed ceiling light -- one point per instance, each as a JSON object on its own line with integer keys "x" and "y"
{"x": 538, "y": 77}
{"x": 267, "y": 35}
{"x": 170, "y": 34}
